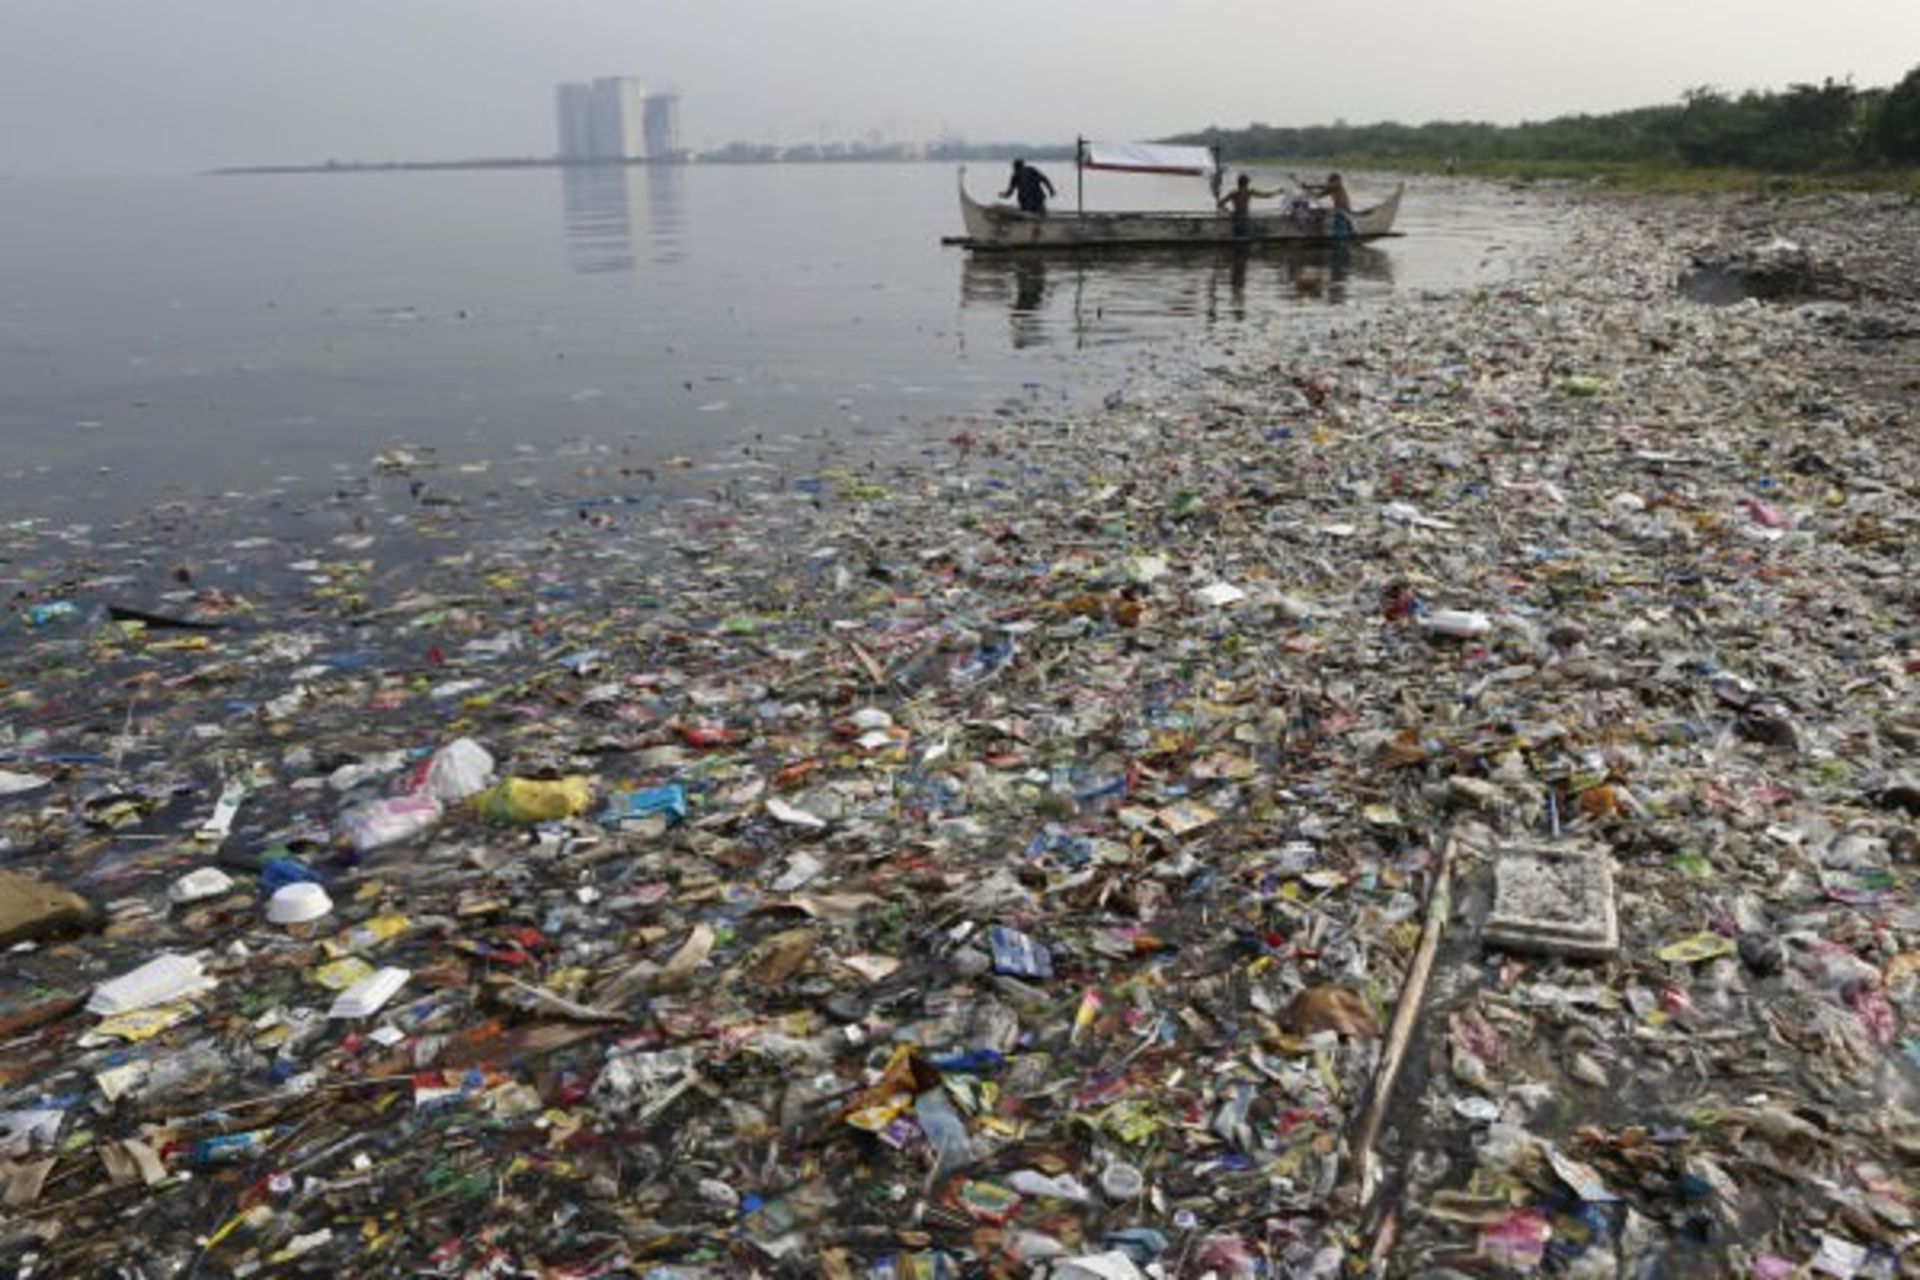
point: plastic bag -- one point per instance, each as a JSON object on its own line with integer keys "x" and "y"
{"x": 527, "y": 800}
{"x": 380, "y": 823}
{"x": 460, "y": 769}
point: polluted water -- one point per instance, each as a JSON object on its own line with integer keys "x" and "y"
{"x": 1429, "y": 795}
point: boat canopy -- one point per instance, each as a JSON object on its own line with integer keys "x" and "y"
{"x": 1146, "y": 157}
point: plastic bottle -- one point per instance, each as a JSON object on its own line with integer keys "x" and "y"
{"x": 1462, "y": 624}
{"x": 946, "y": 1131}
{"x": 52, "y": 611}
{"x": 186, "y": 1072}
{"x": 1063, "y": 1186}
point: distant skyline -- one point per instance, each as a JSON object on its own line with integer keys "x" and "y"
{"x": 143, "y": 86}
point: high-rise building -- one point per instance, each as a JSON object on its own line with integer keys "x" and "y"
{"x": 619, "y": 119}
{"x": 612, "y": 118}
{"x": 663, "y": 126}
{"x": 573, "y": 109}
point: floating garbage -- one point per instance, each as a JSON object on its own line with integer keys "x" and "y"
{"x": 1437, "y": 788}
{"x": 301, "y": 902}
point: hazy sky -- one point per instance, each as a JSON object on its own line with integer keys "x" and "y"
{"x": 160, "y": 85}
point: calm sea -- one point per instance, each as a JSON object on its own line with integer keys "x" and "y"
{"x": 163, "y": 338}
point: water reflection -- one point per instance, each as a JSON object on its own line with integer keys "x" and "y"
{"x": 1086, "y": 298}
{"x": 1029, "y": 297}
{"x": 667, "y": 211}
{"x": 611, "y": 210}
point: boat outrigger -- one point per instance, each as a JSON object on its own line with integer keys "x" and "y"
{"x": 1293, "y": 221}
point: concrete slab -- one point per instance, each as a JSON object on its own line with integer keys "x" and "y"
{"x": 1553, "y": 899}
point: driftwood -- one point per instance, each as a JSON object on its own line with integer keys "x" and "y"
{"x": 1366, "y": 1168}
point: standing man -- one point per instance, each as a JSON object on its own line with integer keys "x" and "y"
{"x": 1334, "y": 188}
{"x": 1241, "y": 199}
{"x": 1030, "y": 186}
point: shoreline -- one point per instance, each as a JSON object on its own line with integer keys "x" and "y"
{"x": 1155, "y": 691}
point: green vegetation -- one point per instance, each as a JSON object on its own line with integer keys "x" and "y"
{"x": 1804, "y": 137}
{"x": 1627, "y": 179}
{"x": 1893, "y": 134}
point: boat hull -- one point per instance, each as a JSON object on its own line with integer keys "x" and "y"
{"x": 1003, "y": 227}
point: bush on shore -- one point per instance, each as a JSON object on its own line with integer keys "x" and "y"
{"x": 1832, "y": 132}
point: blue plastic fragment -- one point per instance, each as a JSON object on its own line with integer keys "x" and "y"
{"x": 970, "y": 1061}
{"x": 1016, "y": 955}
{"x": 280, "y": 872}
{"x": 627, "y": 806}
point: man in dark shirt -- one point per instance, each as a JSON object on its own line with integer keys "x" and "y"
{"x": 1030, "y": 186}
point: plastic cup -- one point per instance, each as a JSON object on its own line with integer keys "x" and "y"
{"x": 1121, "y": 1181}
{"x": 298, "y": 903}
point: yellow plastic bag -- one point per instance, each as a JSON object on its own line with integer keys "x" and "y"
{"x": 528, "y": 800}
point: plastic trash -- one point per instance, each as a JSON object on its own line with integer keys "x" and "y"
{"x": 794, "y": 816}
{"x": 277, "y": 873}
{"x": 1121, "y": 1181}
{"x": 161, "y": 980}
{"x": 1220, "y": 594}
{"x": 946, "y": 1132}
{"x": 220, "y": 822}
{"x": 529, "y": 800}
{"x": 50, "y": 612}
{"x": 201, "y": 882}
{"x": 461, "y": 769}
{"x": 361, "y": 772}
{"x": 388, "y": 821}
{"x": 369, "y": 995}
{"x": 941, "y": 885}
{"x": 803, "y": 868}
{"x": 1462, "y": 624}
{"x": 1059, "y": 1186}
{"x": 631, "y": 806}
{"x": 301, "y": 902}
{"x": 1116, "y": 1265}
{"x": 13, "y": 783}
{"x": 1018, "y": 955}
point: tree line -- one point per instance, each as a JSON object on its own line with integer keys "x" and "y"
{"x": 1830, "y": 127}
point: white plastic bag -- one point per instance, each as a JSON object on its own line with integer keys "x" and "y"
{"x": 460, "y": 769}
{"x": 379, "y": 823}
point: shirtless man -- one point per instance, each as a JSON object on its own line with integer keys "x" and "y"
{"x": 1335, "y": 189}
{"x": 1241, "y": 199}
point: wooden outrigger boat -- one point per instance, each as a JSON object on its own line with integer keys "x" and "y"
{"x": 1294, "y": 221}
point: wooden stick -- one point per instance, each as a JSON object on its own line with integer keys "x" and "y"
{"x": 874, "y": 673}
{"x": 1412, "y": 995}
{"x": 568, "y": 1008}
{"x": 1384, "y": 1238}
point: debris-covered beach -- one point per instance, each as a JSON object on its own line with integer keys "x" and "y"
{"x": 1036, "y": 857}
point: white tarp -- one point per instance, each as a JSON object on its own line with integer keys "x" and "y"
{"x": 1148, "y": 157}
